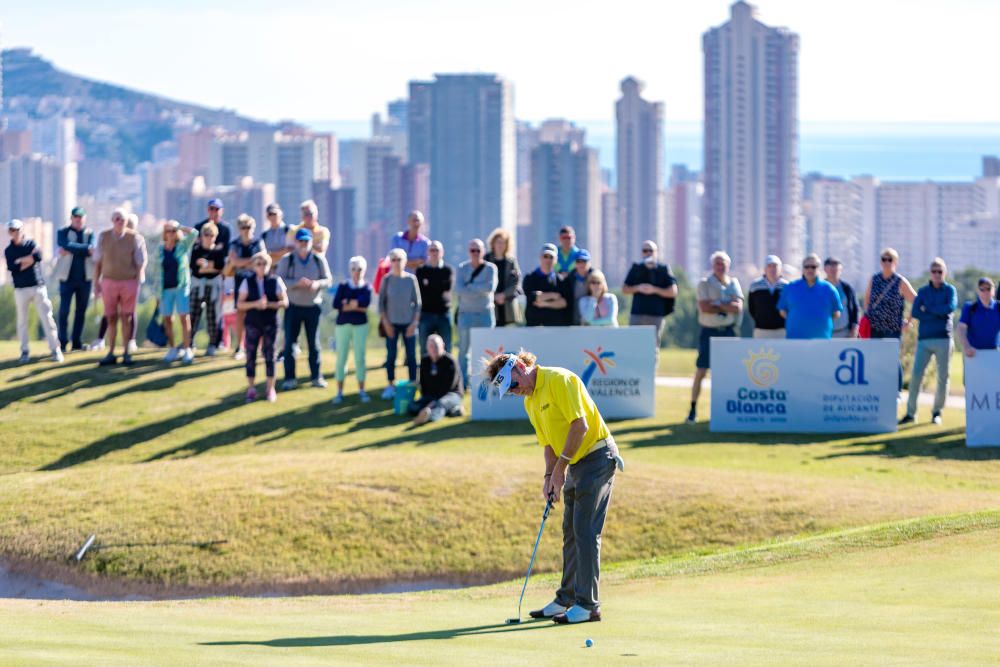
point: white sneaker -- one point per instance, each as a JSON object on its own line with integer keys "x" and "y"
{"x": 172, "y": 354}
{"x": 389, "y": 393}
{"x": 188, "y": 356}
{"x": 210, "y": 351}
{"x": 57, "y": 356}
{"x": 577, "y": 614}
{"x": 97, "y": 345}
{"x": 549, "y": 610}
{"x": 319, "y": 383}
{"x": 131, "y": 348}
{"x": 240, "y": 355}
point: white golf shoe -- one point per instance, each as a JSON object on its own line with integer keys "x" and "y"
{"x": 171, "y": 355}
{"x": 549, "y": 610}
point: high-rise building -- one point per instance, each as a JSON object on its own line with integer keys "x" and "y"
{"x": 751, "y": 168}
{"x": 291, "y": 160}
{"x": 336, "y": 212}
{"x": 853, "y": 220}
{"x": 188, "y": 203}
{"x": 473, "y": 189}
{"x": 14, "y": 143}
{"x": 616, "y": 263}
{"x": 194, "y": 150}
{"x": 683, "y": 223}
{"x": 37, "y": 186}
{"x": 418, "y": 115}
{"x": 156, "y": 178}
{"x": 56, "y": 137}
{"x": 639, "y": 136}
{"x": 565, "y": 190}
{"x": 991, "y": 166}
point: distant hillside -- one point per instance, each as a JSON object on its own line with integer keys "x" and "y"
{"x": 112, "y": 122}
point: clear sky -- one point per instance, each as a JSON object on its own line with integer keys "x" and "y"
{"x": 861, "y": 60}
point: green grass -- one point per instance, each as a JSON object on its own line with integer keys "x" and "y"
{"x": 911, "y": 593}
{"x": 303, "y": 495}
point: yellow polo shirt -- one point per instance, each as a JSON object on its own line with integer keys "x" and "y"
{"x": 321, "y": 237}
{"x": 558, "y": 399}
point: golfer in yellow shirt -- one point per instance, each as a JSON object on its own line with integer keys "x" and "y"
{"x": 580, "y": 460}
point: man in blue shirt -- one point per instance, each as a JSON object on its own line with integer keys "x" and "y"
{"x": 932, "y": 307}
{"x": 809, "y": 305}
{"x": 979, "y": 325}
{"x": 75, "y": 270}
{"x": 410, "y": 240}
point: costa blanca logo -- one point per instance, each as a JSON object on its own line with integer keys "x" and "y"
{"x": 599, "y": 361}
{"x": 762, "y": 367}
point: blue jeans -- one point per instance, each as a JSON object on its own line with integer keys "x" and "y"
{"x": 466, "y": 322}
{"x": 295, "y": 317}
{"x": 392, "y": 348}
{"x": 431, "y": 323}
{"x": 67, "y": 292}
{"x": 939, "y": 348}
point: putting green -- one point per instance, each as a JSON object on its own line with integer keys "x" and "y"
{"x": 930, "y": 599}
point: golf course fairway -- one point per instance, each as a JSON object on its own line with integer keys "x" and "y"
{"x": 918, "y": 592}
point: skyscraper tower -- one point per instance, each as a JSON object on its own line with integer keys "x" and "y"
{"x": 472, "y": 158}
{"x": 639, "y": 131}
{"x": 751, "y": 206}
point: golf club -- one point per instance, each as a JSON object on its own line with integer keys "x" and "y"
{"x": 545, "y": 515}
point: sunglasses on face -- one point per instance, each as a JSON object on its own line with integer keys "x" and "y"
{"x": 475, "y": 251}
{"x": 887, "y": 259}
{"x": 433, "y": 250}
{"x": 214, "y": 208}
{"x": 647, "y": 251}
{"x": 985, "y": 288}
{"x": 307, "y": 214}
{"x": 245, "y": 227}
{"x": 936, "y": 271}
{"x": 565, "y": 237}
{"x": 810, "y": 267}
{"x": 355, "y": 268}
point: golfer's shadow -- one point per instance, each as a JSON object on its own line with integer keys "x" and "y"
{"x": 356, "y": 640}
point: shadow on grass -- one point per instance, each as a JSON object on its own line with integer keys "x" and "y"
{"x": 89, "y": 376}
{"x": 942, "y": 444}
{"x": 358, "y": 640}
{"x": 125, "y": 440}
{"x": 175, "y": 376}
{"x": 428, "y": 434}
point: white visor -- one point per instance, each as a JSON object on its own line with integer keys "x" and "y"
{"x": 502, "y": 379}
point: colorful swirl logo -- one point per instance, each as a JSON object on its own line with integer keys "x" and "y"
{"x": 762, "y": 367}
{"x": 596, "y": 360}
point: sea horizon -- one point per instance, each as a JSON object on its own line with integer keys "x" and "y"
{"x": 887, "y": 151}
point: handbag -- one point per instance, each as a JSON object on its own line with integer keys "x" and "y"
{"x": 155, "y": 333}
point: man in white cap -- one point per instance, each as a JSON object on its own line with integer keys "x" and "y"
{"x": 762, "y": 300}
{"x": 581, "y": 458}
{"x": 24, "y": 261}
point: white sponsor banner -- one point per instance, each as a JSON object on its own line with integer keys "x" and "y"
{"x": 617, "y": 365}
{"x": 982, "y": 399}
{"x": 804, "y": 386}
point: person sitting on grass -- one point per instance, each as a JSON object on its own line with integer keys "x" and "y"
{"x": 260, "y": 298}
{"x": 440, "y": 385}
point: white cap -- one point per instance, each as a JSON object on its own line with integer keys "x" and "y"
{"x": 15, "y": 224}
{"x": 772, "y": 259}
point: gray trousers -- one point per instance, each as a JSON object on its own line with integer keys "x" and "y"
{"x": 637, "y": 319}
{"x": 587, "y": 495}
{"x": 940, "y": 349}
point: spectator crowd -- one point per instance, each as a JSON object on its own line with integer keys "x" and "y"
{"x": 258, "y": 288}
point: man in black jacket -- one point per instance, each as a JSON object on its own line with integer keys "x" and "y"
{"x": 440, "y": 385}
{"x": 845, "y": 326}
{"x": 762, "y": 300}
{"x": 653, "y": 289}
{"x": 549, "y": 296}
{"x": 436, "y": 280}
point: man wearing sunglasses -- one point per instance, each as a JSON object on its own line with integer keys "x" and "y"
{"x": 979, "y": 325}
{"x": 581, "y": 458}
{"x": 810, "y": 305}
{"x": 935, "y": 303}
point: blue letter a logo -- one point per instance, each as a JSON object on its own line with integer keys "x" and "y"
{"x": 852, "y": 371}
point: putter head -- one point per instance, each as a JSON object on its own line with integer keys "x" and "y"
{"x": 513, "y": 621}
